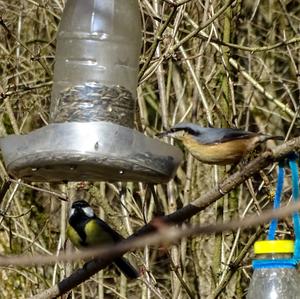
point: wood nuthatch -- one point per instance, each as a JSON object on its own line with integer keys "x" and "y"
{"x": 216, "y": 145}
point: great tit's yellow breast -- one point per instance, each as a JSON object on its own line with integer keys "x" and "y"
{"x": 73, "y": 236}
{"x": 96, "y": 235}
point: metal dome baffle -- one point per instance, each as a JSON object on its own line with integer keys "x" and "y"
{"x": 91, "y": 135}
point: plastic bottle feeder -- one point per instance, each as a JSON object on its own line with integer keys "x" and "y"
{"x": 90, "y": 136}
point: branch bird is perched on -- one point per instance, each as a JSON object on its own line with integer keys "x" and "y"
{"x": 85, "y": 229}
{"x": 216, "y": 145}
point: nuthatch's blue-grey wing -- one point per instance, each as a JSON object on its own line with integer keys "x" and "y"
{"x": 216, "y": 135}
{"x": 210, "y": 135}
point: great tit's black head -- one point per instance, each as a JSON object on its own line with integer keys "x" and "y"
{"x": 81, "y": 208}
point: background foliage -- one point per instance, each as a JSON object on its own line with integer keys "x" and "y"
{"x": 239, "y": 68}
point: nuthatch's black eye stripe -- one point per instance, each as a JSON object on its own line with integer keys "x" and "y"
{"x": 185, "y": 129}
{"x": 192, "y": 132}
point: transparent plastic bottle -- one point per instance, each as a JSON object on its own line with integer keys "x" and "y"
{"x": 275, "y": 275}
{"x": 97, "y": 54}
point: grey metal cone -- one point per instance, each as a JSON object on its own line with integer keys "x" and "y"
{"x": 91, "y": 151}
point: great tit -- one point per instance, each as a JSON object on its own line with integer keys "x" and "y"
{"x": 85, "y": 229}
{"x": 216, "y": 145}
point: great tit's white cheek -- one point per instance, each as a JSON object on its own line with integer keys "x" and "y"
{"x": 88, "y": 211}
{"x": 72, "y": 211}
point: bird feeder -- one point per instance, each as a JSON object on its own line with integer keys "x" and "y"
{"x": 90, "y": 136}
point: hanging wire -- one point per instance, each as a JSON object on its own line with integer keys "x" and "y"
{"x": 295, "y": 192}
{"x": 277, "y": 199}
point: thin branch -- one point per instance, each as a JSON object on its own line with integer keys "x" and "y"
{"x": 33, "y": 55}
{"x": 293, "y": 40}
{"x": 157, "y": 39}
{"x": 198, "y": 29}
{"x": 165, "y": 235}
{"x": 61, "y": 196}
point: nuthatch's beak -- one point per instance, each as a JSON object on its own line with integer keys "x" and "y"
{"x": 163, "y": 134}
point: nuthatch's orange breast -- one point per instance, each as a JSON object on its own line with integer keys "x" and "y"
{"x": 224, "y": 153}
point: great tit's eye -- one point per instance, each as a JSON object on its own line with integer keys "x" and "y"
{"x": 88, "y": 211}
{"x": 72, "y": 211}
